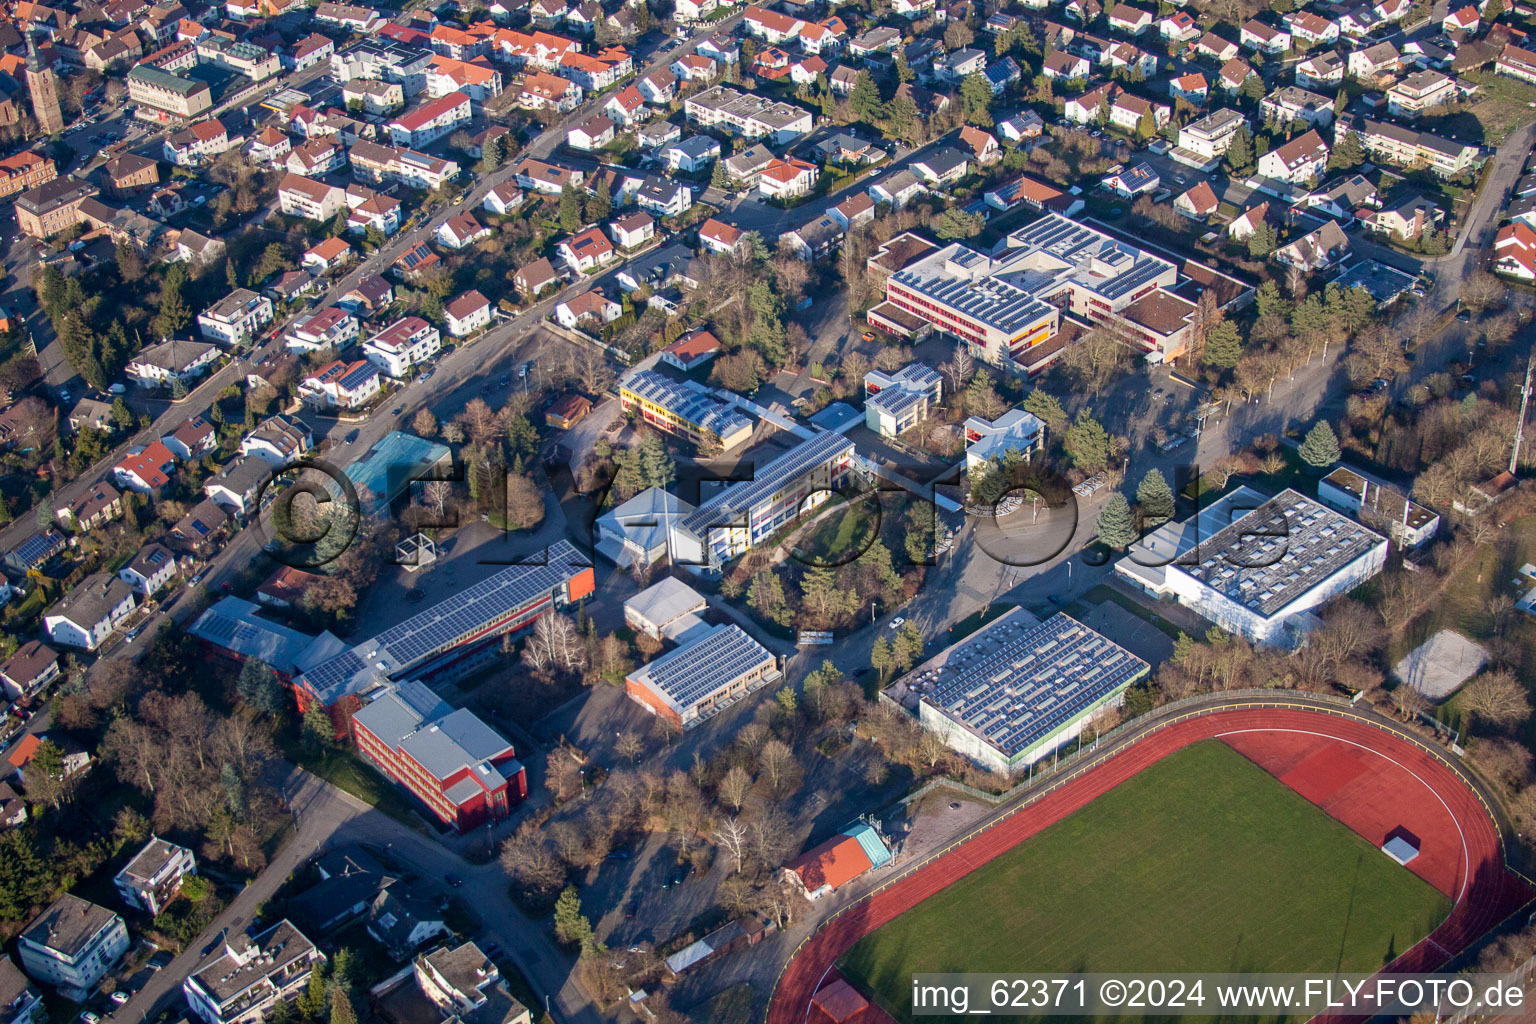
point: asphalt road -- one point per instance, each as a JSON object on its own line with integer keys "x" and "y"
{"x": 326, "y": 815}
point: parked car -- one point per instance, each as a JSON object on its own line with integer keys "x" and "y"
{"x": 120, "y": 997}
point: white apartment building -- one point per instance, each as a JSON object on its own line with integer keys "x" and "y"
{"x": 328, "y": 329}
{"x": 153, "y": 877}
{"x": 402, "y": 345}
{"x": 235, "y": 319}
{"x": 1208, "y": 138}
{"x": 430, "y": 121}
{"x": 298, "y": 196}
{"x": 1420, "y": 92}
{"x": 72, "y": 945}
{"x": 749, "y": 116}
{"x": 252, "y": 975}
{"x": 1302, "y": 159}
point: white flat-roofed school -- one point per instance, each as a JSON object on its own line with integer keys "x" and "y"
{"x": 1015, "y": 690}
{"x": 1019, "y": 287}
{"x": 730, "y": 506}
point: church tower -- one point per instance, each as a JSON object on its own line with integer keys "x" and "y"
{"x": 44, "y": 89}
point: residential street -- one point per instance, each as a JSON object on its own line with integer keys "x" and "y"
{"x": 328, "y": 816}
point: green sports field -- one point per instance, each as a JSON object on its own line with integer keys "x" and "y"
{"x": 1203, "y": 862}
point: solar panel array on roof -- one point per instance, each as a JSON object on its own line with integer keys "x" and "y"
{"x": 449, "y": 623}
{"x": 359, "y": 376}
{"x": 1279, "y": 551}
{"x": 1014, "y": 684}
{"x": 690, "y": 674}
{"x": 1082, "y": 247}
{"x": 729, "y": 506}
{"x": 688, "y": 401}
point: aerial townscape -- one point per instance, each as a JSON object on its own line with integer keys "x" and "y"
{"x": 553, "y": 512}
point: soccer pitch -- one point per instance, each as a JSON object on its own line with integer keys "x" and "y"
{"x": 1202, "y": 862}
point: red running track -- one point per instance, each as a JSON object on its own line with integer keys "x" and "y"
{"x": 1382, "y": 778}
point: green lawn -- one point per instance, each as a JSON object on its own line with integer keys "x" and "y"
{"x": 1203, "y": 862}
{"x": 844, "y": 533}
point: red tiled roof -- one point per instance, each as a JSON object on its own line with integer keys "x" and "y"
{"x": 834, "y": 863}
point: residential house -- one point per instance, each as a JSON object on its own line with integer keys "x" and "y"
{"x": 1293, "y": 103}
{"x": 691, "y": 351}
{"x": 721, "y": 238}
{"x": 331, "y": 254}
{"x": 593, "y": 133}
{"x": 86, "y": 616}
{"x": 72, "y": 945}
{"x": 786, "y": 179}
{"x": 535, "y": 278}
{"x": 26, "y": 672}
{"x": 1257, "y": 36}
{"x": 341, "y": 385}
{"x": 1323, "y": 70}
{"x": 461, "y": 231}
{"x": 857, "y": 209}
{"x": 1419, "y": 93}
{"x": 585, "y": 251}
{"x": 196, "y": 532}
{"x": 403, "y": 345}
{"x": 298, "y": 196}
{"x": 235, "y": 319}
{"x": 1406, "y": 218}
{"x": 1191, "y": 88}
{"x": 1514, "y": 251}
{"x": 587, "y": 308}
{"x": 252, "y": 974}
{"x": 150, "y": 570}
{"x": 238, "y": 486}
{"x": 325, "y": 330}
{"x": 98, "y": 505}
{"x": 278, "y": 441}
{"x": 147, "y": 471}
{"x": 1301, "y": 160}
{"x": 632, "y": 231}
{"x": 691, "y": 155}
{"x": 467, "y": 314}
{"x": 1318, "y": 250}
{"x": 1197, "y": 203}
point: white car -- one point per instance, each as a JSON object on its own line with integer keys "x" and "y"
{"x": 897, "y": 622}
{"x": 119, "y": 997}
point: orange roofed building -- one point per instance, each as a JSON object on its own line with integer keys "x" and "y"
{"x": 826, "y": 868}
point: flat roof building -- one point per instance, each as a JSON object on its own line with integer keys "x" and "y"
{"x": 449, "y": 759}
{"x": 72, "y": 945}
{"x": 447, "y": 639}
{"x": 1016, "y": 430}
{"x": 246, "y": 976}
{"x": 703, "y": 677}
{"x": 153, "y": 877}
{"x": 684, "y": 408}
{"x": 1018, "y": 689}
{"x": 747, "y": 512}
{"x": 666, "y": 608}
{"x": 896, "y": 402}
{"x": 1004, "y": 304}
{"x": 1261, "y": 575}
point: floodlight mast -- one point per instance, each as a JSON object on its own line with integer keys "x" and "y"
{"x": 1525, "y": 398}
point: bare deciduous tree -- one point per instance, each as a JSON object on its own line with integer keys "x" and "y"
{"x": 1496, "y": 699}
{"x": 731, "y": 835}
{"x": 556, "y": 644}
{"x": 628, "y": 745}
{"x": 734, "y": 787}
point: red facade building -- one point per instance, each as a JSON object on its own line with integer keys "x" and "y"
{"x": 449, "y": 759}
